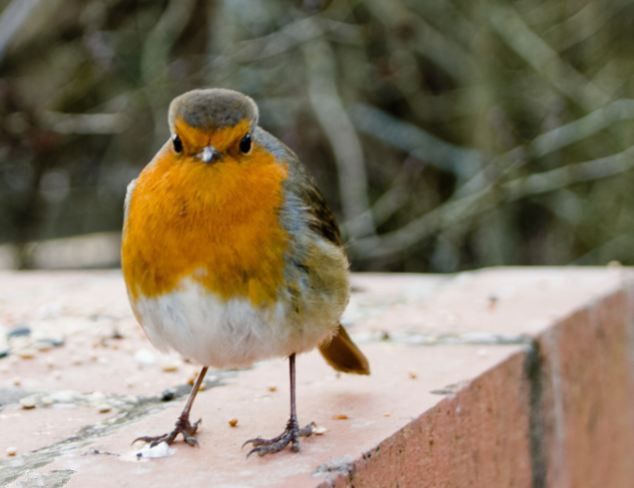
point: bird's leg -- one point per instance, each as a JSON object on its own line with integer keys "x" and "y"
{"x": 183, "y": 425}
{"x": 291, "y": 434}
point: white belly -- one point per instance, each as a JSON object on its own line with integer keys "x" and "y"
{"x": 227, "y": 334}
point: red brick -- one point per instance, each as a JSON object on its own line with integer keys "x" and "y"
{"x": 504, "y": 377}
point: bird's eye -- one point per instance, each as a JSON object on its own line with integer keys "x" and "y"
{"x": 245, "y": 144}
{"x": 178, "y": 144}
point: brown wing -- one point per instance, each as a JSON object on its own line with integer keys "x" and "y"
{"x": 322, "y": 219}
{"x": 301, "y": 186}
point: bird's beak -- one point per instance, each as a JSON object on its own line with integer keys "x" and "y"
{"x": 209, "y": 154}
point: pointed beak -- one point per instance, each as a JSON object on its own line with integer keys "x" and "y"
{"x": 208, "y": 155}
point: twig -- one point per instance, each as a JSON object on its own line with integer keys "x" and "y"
{"x": 565, "y": 135}
{"x": 155, "y": 55}
{"x": 65, "y": 123}
{"x": 554, "y": 140}
{"x": 570, "y": 174}
{"x": 292, "y": 36}
{"x": 545, "y": 60}
{"x": 426, "y": 39}
{"x": 11, "y": 20}
{"x": 420, "y": 143}
{"x": 389, "y": 202}
{"x": 334, "y": 121}
{"x": 460, "y": 208}
{"x": 154, "y": 60}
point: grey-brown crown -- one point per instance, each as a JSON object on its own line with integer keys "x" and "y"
{"x": 212, "y": 108}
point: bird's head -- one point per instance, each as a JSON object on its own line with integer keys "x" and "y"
{"x": 212, "y": 124}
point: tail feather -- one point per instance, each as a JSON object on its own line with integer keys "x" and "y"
{"x": 343, "y": 354}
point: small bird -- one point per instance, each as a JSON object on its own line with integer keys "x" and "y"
{"x": 230, "y": 254}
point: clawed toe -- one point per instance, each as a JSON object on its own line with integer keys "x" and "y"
{"x": 183, "y": 427}
{"x": 152, "y": 440}
{"x": 291, "y": 436}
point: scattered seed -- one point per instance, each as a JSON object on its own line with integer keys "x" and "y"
{"x": 319, "y": 430}
{"x": 412, "y": 375}
{"x": 28, "y": 403}
{"x": 26, "y": 354}
{"x": 17, "y": 381}
{"x": 340, "y": 416}
{"x": 12, "y": 451}
{"x": 233, "y": 422}
{"x": 43, "y": 346}
{"x": 192, "y": 378}
{"x": 104, "y": 408}
{"x": 76, "y": 360}
{"x": 272, "y": 388}
{"x": 170, "y": 367}
{"x": 493, "y": 301}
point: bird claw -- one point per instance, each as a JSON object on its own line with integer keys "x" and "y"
{"x": 291, "y": 436}
{"x": 183, "y": 427}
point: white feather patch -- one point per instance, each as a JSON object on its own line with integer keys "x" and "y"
{"x": 228, "y": 333}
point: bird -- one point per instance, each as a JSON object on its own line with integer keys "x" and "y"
{"x": 230, "y": 254}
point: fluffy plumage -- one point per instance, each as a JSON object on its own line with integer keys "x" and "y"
{"x": 238, "y": 260}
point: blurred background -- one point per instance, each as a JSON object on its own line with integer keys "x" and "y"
{"x": 445, "y": 135}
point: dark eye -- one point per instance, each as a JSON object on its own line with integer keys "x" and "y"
{"x": 245, "y": 144}
{"x": 178, "y": 144}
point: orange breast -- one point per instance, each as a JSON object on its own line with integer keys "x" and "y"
{"x": 217, "y": 224}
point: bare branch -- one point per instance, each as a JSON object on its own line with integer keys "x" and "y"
{"x": 545, "y": 60}
{"x": 160, "y": 40}
{"x": 420, "y": 143}
{"x": 65, "y": 123}
{"x": 427, "y": 40}
{"x": 459, "y": 209}
{"x": 11, "y": 20}
{"x": 388, "y": 203}
{"x": 341, "y": 134}
{"x": 565, "y": 135}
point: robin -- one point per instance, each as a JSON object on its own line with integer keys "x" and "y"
{"x": 230, "y": 254}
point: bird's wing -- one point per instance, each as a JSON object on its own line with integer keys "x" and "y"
{"x": 320, "y": 218}
{"x": 305, "y": 203}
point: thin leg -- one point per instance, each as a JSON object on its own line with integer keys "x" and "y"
{"x": 182, "y": 426}
{"x": 291, "y": 434}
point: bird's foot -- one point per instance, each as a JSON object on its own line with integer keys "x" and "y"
{"x": 291, "y": 436}
{"x": 182, "y": 426}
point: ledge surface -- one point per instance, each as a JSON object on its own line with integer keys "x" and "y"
{"x": 502, "y": 377}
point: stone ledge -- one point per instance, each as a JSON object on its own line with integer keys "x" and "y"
{"x": 502, "y": 377}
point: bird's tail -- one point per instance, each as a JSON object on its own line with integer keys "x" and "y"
{"x": 343, "y": 354}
